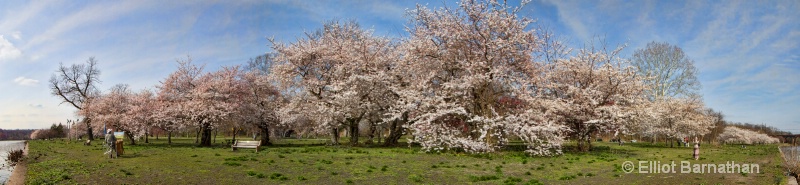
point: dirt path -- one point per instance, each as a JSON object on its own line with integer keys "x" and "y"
{"x": 18, "y": 176}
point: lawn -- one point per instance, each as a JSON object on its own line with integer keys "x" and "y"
{"x": 309, "y": 162}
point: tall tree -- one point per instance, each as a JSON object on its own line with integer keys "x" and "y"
{"x": 176, "y": 93}
{"x": 336, "y": 69}
{"x": 464, "y": 65}
{"x": 215, "y": 100}
{"x": 590, "y": 93}
{"x": 114, "y": 110}
{"x": 672, "y": 80}
{"x": 671, "y": 72}
{"x": 262, "y": 100}
{"x": 76, "y": 85}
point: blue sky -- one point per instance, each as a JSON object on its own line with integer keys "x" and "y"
{"x": 747, "y": 52}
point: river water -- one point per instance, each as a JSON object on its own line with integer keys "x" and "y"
{"x": 5, "y": 146}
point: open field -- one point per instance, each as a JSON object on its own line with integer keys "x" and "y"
{"x": 308, "y": 162}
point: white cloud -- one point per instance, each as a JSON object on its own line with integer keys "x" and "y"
{"x": 36, "y": 105}
{"x": 36, "y": 57}
{"x": 16, "y": 35}
{"x": 7, "y": 50}
{"x": 572, "y": 20}
{"x": 96, "y": 13}
{"x": 26, "y": 81}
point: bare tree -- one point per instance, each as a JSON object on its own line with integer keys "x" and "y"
{"x": 76, "y": 86}
{"x": 671, "y": 71}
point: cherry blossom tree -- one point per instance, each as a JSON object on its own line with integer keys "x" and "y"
{"x": 336, "y": 70}
{"x": 167, "y": 115}
{"x": 590, "y": 93}
{"x": 262, "y": 100}
{"x": 461, "y": 63}
{"x": 141, "y": 113}
{"x": 214, "y": 100}
{"x": 39, "y": 134}
{"x": 736, "y": 135}
{"x": 675, "y": 119}
{"x": 198, "y": 100}
{"x": 115, "y": 110}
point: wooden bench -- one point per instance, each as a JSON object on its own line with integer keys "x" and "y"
{"x": 246, "y": 144}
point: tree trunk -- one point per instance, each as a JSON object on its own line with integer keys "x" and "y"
{"x": 371, "y": 135}
{"x": 169, "y": 138}
{"x": 353, "y": 134}
{"x": 205, "y": 140}
{"x": 130, "y": 137}
{"x": 197, "y": 136}
{"x": 671, "y": 144}
{"x": 234, "y": 135}
{"x": 215, "y": 135}
{"x": 380, "y": 135}
{"x": 395, "y": 131}
{"x": 146, "y": 140}
{"x": 264, "y": 134}
{"x": 584, "y": 135}
{"x": 589, "y": 142}
{"x": 335, "y": 136}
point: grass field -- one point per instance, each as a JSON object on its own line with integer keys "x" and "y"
{"x": 304, "y": 162}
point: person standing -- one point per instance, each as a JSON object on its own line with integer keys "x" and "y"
{"x": 111, "y": 144}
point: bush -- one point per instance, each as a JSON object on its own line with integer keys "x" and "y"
{"x": 415, "y": 178}
{"x": 483, "y": 178}
{"x": 278, "y": 176}
{"x": 512, "y": 180}
{"x": 232, "y": 163}
{"x": 14, "y": 157}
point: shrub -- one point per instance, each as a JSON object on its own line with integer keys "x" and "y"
{"x": 483, "y": 178}
{"x": 512, "y": 180}
{"x": 534, "y": 182}
{"x": 14, "y": 157}
{"x": 415, "y": 178}
{"x": 278, "y": 176}
{"x": 229, "y": 163}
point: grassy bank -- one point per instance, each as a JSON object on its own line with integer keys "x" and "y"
{"x": 303, "y": 162}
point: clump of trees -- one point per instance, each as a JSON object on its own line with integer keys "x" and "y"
{"x": 474, "y": 77}
{"x": 469, "y": 79}
{"x": 17, "y": 134}
{"x": 736, "y": 135}
{"x": 55, "y": 131}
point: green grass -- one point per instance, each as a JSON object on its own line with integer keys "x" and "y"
{"x": 310, "y": 162}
